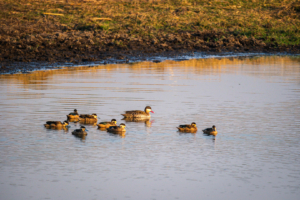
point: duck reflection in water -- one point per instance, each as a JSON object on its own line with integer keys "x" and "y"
{"x": 65, "y": 128}
{"x": 82, "y": 138}
{"x": 147, "y": 122}
{"x": 121, "y": 134}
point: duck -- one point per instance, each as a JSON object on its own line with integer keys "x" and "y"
{"x": 56, "y": 124}
{"x": 133, "y": 114}
{"x": 117, "y": 129}
{"x": 80, "y": 132}
{"x": 210, "y": 131}
{"x": 88, "y": 118}
{"x": 192, "y": 128}
{"x": 102, "y": 125}
{"x": 73, "y": 115}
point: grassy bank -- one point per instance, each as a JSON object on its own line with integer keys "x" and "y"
{"x": 47, "y": 31}
{"x": 269, "y": 20}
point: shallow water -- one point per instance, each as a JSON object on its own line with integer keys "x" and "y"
{"x": 254, "y": 103}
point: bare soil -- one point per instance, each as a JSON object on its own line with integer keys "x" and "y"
{"x": 25, "y": 49}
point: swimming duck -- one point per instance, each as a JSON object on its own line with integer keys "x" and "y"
{"x": 113, "y": 122}
{"x": 188, "y": 128}
{"x": 56, "y": 124}
{"x": 211, "y": 131}
{"x": 138, "y": 113}
{"x": 88, "y": 118}
{"x": 73, "y": 115}
{"x": 117, "y": 129}
{"x": 80, "y": 132}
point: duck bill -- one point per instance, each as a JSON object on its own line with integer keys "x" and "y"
{"x": 151, "y": 111}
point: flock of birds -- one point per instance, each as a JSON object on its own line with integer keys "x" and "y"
{"x": 133, "y": 115}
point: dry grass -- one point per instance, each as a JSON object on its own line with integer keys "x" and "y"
{"x": 270, "y": 20}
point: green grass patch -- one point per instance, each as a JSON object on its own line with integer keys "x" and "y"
{"x": 275, "y": 19}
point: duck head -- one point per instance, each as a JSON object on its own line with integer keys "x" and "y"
{"x": 194, "y": 124}
{"x": 65, "y": 123}
{"x": 82, "y": 128}
{"x": 75, "y": 111}
{"x": 148, "y": 109}
{"x": 122, "y": 125}
{"x": 94, "y": 115}
{"x": 214, "y": 128}
{"x": 114, "y": 121}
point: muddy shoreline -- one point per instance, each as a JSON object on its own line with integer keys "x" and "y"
{"x": 25, "y": 53}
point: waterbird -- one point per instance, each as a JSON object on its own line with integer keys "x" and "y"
{"x": 102, "y": 125}
{"x": 117, "y": 129}
{"x": 56, "y": 124}
{"x": 80, "y": 132}
{"x": 189, "y": 128}
{"x": 88, "y": 118}
{"x": 138, "y": 113}
{"x": 210, "y": 131}
{"x": 73, "y": 115}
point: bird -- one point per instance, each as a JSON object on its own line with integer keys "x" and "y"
{"x": 88, "y": 118}
{"x": 80, "y": 132}
{"x": 210, "y": 131}
{"x": 133, "y": 114}
{"x": 117, "y": 129}
{"x": 102, "y": 125}
{"x": 56, "y": 124}
{"x": 189, "y": 128}
{"x": 73, "y": 115}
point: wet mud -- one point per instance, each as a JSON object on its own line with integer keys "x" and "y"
{"x": 24, "y": 52}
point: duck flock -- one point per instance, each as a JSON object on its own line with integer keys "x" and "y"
{"x": 132, "y": 115}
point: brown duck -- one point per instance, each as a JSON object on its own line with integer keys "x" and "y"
{"x": 88, "y": 118}
{"x": 103, "y": 125}
{"x": 73, "y": 115}
{"x": 132, "y": 114}
{"x": 56, "y": 124}
{"x": 189, "y": 128}
{"x": 117, "y": 129}
{"x": 210, "y": 131}
{"x": 80, "y": 132}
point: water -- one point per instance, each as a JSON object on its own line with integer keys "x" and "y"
{"x": 254, "y": 103}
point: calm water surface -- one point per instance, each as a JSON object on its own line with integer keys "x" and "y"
{"x": 254, "y": 103}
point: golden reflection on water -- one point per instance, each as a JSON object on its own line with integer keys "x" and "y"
{"x": 258, "y": 124}
{"x": 65, "y": 129}
{"x": 197, "y": 66}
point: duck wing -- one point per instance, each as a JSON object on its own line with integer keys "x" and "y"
{"x": 135, "y": 112}
{"x": 86, "y": 116}
{"x": 104, "y": 123}
{"x": 207, "y": 130}
{"x": 185, "y": 126}
{"x": 53, "y": 122}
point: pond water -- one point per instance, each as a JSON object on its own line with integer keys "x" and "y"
{"x": 254, "y": 103}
